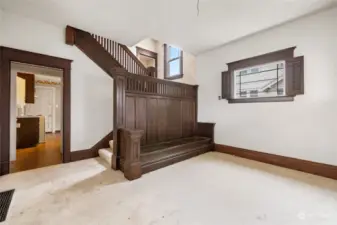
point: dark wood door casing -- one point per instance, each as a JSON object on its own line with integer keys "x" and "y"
{"x": 8, "y": 55}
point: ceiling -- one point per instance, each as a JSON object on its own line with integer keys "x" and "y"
{"x": 171, "y": 21}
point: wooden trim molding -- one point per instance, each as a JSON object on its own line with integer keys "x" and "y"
{"x": 294, "y": 76}
{"x": 8, "y": 55}
{"x": 93, "y": 151}
{"x": 315, "y": 168}
{"x": 150, "y": 54}
{"x": 262, "y": 59}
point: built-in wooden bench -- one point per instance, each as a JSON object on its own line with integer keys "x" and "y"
{"x": 137, "y": 160}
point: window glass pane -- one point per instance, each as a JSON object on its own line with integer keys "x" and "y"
{"x": 174, "y": 52}
{"x": 266, "y": 80}
{"x": 174, "y": 67}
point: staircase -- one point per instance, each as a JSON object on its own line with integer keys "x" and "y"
{"x": 106, "y": 53}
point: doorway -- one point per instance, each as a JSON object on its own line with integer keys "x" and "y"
{"x": 8, "y": 131}
{"x": 36, "y": 114}
{"x": 148, "y": 58}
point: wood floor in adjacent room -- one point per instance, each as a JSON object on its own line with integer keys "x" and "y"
{"x": 44, "y": 154}
{"x": 211, "y": 189}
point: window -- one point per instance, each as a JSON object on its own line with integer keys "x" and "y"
{"x": 173, "y": 62}
{"x": 276, "y": 76}
{"x": 267, "y": 80}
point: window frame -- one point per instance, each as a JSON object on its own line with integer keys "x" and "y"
{"x": 228, "y": 76}
{"x": 167, "y": 66}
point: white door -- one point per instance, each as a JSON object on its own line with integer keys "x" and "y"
{"x": 44, "y": 106}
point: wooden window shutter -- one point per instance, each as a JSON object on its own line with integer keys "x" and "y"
{"x": 226, "y": 87}
{"x": 295, "y": 76}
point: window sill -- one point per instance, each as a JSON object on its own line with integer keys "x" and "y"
{"x": 256, "y": 100}
{"x": 174, "y": 77}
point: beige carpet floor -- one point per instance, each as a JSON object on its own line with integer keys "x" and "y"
{"x": 212, "y": 189}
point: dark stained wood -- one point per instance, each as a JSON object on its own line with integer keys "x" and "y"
{"x": 130, "y": 153}
{"x": 119, "y": 113}
{"x": 163, "y": 154}
{"x": 82, "y": 155}
{"x": 95, "y": 51}
{"x": 295, "y": 76}
{"x": 262, "y": 59}
{"x": 29, "y": 86}
{"x": 320, "y": 169}
{"x": 153, "y": 71}
{"x": 70, "y": 35}
{"x": 28, "y": 133}
{"x": 226, "y": 85}
{"x": 261, "y": 100}
{"x": 206, "y": 130}
{"x": 130, "y": 57}
{"x": 9, "y": 55}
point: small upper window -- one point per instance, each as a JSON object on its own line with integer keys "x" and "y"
{"x": 173, "y": 62}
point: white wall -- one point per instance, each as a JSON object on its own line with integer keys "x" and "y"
{"x": 158, "y": 47}
{"x": 91, "y": 88}
{"x": 305, "y": 128}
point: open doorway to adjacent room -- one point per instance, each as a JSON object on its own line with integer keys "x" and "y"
{"x": 36, "y": 116}
{"x": 148, "y": 58}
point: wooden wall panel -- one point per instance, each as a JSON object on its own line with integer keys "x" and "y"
{"x": 174, "y": 116}
{"x": 188, "y": 118}
{"x": 151, "y": 133}
{"x": 141, "y": 120}
{"x": 130, "y": 118}
{"x": 161, "y": 118}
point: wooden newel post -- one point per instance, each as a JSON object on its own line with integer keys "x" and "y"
{"x": 130, "y": 153}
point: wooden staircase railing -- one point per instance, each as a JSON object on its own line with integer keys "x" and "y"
{"x": 90, "y": 47}
{"x": 123, "y": 55}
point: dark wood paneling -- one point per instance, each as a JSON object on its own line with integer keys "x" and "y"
{"x": 141, "y": 119}
{"x": 151, "y": 121}
{"x": 119, "y": 109}
{"x": 205, "y": 130}
{"x": 7, "y": 56}
{"x": 185, "y": 154}
{"x": 188, "y": 118}
{"x": 160, "y": 118}
{"x": 320, "y": 169}
{"x": 130, "y": 117}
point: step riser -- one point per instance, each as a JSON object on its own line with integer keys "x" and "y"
{"x": 106, "y": 155}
